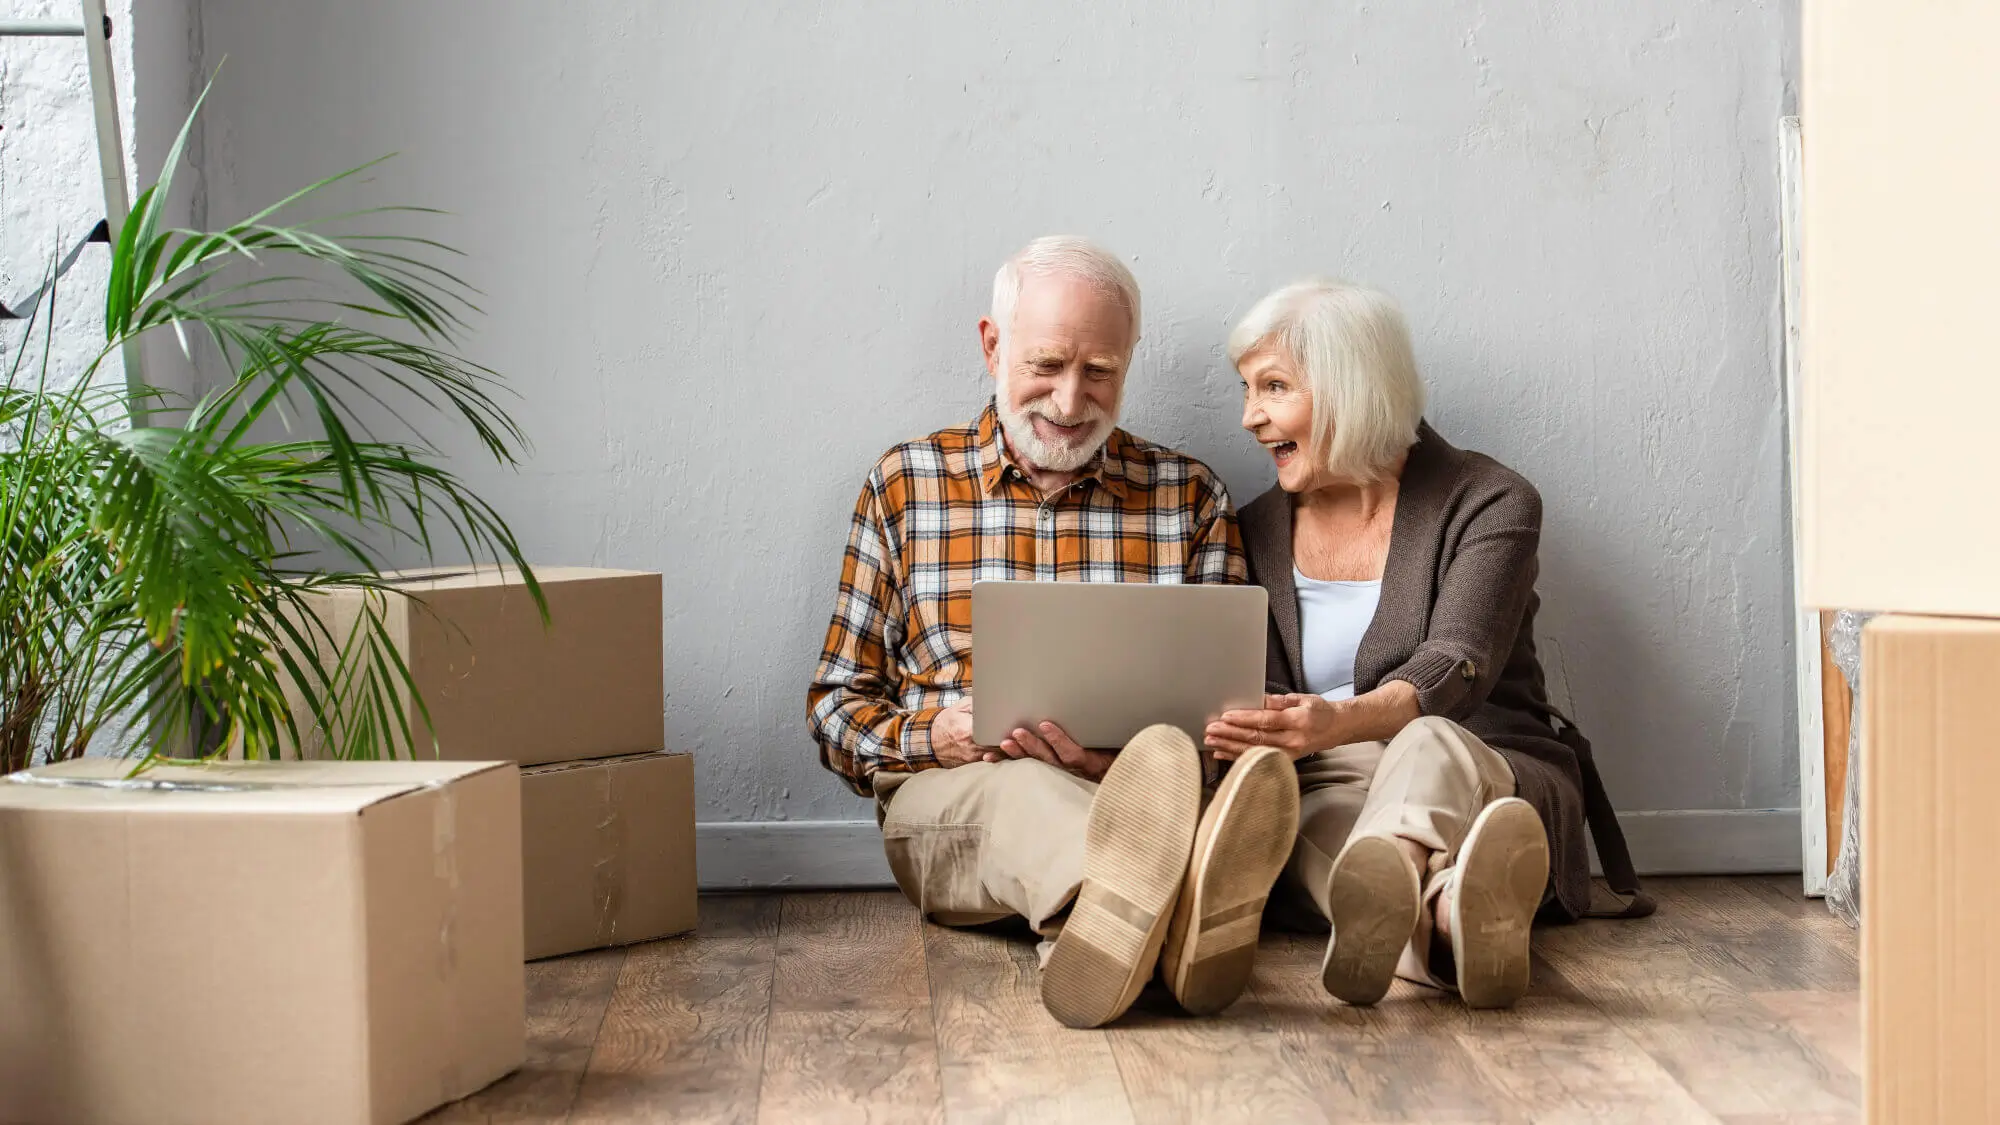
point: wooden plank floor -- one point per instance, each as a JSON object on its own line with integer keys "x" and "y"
{"x": 1735, "y": 1004}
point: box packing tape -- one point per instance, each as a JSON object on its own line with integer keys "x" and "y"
{"x": 444, "y": 866}
{"x": 608, "y": 888}
{"x": 163, "y": 785}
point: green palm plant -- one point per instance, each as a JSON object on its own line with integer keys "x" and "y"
{"x": 159, "y": 557}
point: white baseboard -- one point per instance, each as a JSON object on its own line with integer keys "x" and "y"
{"x": 790, "y": 853}
{"x": 848, "y": 853}
{"x": 1712, "y": 841}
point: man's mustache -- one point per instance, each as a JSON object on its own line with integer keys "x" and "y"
{"x": 1040, "y": 410}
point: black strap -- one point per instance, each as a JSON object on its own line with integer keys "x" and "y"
{"x": 1612, "y": 853}
{"x": 25, "y": 307}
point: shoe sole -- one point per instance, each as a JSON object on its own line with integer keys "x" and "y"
{"x": 1135, "y": 852}
{"x": 1503, "y": 869}
{"x": 1241, "y": 847}
{"x": 1374, "y": 896}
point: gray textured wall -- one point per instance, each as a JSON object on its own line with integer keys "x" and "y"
{"x": 731, "y": 252}
{"x": 50, "y": 191}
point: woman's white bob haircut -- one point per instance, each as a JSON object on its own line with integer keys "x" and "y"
{"x": 1352, "y": 348}
{"x": 1062, "y": 255}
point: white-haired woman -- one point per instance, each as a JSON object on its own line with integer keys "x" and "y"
{"x": 1443, "y": 799}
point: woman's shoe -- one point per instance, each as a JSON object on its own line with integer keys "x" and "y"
{"x": 1373, "y": 897}
{"x": 1502, "y": 873}
{"x": 1135, "y": 852}
{"x": 1242, "y": 844}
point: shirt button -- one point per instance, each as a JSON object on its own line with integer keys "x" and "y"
{"x": 1468, "y": 670}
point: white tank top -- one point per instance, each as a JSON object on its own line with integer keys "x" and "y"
{"x": 1332, "y": 618}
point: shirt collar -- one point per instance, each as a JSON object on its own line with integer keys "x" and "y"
{"x": 1108, "y": 468}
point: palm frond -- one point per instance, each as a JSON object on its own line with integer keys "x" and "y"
{"x": 167, "y": 576}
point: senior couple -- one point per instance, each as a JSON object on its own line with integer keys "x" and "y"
{"x": 1407, "y": 784}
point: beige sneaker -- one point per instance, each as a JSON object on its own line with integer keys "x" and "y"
{"x": 1242, "y": 844}
{"x": 1503, "y": 870}
{"x": 1375, "y": 897}
{"x": 1135, "y": 851}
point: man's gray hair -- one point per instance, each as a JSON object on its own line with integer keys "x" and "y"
{"x": 1352, "y": 348}
{"x": 1062, "y": 255}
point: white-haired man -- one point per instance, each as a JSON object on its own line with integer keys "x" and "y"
{"x": 1108, "y": 854}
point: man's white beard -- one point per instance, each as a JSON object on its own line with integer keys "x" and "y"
{"x": 1066, "y": 457}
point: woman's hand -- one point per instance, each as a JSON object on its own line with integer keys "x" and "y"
{"x": 1295, "y": 724}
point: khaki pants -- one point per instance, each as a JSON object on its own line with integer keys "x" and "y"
{"x": 1426, "y": 785}
{"x": 992, "y": 840}
{"x": 989, "y": 840}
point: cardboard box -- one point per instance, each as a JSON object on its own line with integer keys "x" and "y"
{"x": 303, "y": 942}
{"x": 1930, "y": 835}
{"x": 501, "y": 687}
{"x": 607, "y": 852}
{"x": 1899, "y": 235}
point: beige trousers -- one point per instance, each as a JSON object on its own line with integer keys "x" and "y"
{"x": 987, "y": 841}
{"x": 1426, "y": 785}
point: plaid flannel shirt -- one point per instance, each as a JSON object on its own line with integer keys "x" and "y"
{"x": 941, "y": 512}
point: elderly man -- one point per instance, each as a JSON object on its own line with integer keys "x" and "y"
{"x": 1108, "y": 854}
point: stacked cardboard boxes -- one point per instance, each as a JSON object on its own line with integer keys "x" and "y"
{"x": 341, "y": 942}
{"x": 607, "y": 815}
{"x": 1898, "y": 400}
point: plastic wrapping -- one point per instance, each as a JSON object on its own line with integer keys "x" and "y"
{"x": 1843, "y": 887}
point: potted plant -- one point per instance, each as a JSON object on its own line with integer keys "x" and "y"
{"x": 158, "y": 554}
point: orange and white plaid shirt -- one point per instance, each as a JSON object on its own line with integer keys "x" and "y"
{"x": 944, "y": 511}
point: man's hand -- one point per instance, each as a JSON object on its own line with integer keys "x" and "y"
{"x": 952, "y": 745}
{"x": 1295, "y": 724}
{"x": 951, "y": 738}
{"x": 1053, "y": 745}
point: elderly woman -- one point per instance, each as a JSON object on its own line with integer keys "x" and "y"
{"x": 1442, "y": 796}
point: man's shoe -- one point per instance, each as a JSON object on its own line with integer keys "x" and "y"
{"x": 1374, "y": 897}
{"x": 1503, "y": 870}
{"x": 1135, "y": 851}
{"x": 1242, "y": 844}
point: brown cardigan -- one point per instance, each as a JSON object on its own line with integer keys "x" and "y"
{"x": 1457, "y": 620}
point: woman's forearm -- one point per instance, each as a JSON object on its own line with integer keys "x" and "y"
{"x": 1302, "y": 724}
{"x": 1377, "y": 716}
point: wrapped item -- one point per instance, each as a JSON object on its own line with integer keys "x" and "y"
{"x": 1843, "y": 887}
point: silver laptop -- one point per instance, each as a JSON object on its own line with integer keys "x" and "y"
{"x": 1105, "y": 660}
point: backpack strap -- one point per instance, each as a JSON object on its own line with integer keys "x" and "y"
{"x": 1612, "y": 853}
